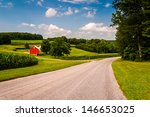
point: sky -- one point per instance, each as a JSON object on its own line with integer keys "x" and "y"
{"x": 52, "y": 18}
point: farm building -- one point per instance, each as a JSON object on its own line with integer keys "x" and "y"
{"x": 35, "y": 50}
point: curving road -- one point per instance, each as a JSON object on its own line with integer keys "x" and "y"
{"x": 88, "y": 81}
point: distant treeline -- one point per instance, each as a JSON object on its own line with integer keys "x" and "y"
{"x": 69, "y": 40}
{"x": 98, "y": 46}
{"x": 93, "y": 45}
{"x": 5, "y": 38}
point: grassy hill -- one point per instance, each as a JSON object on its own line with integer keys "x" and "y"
{"x": 46, "y": 62}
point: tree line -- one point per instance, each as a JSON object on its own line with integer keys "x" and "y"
{"x": 69, "y": 40}
{"x": 98, "y": 46}
{"x": 132, "y": 18}
{"x": 5, "y": 38}
{"x": 59, "y": 46}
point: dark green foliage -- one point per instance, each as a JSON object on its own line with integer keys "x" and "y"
{"x": 133, "y": 36}
{"x": 8, "y": 61}
{"x": 98, "y": 46}
{"x": 21, "y": 36}
{"x": 5, "y": 39}
{"x": 59, "y": 47}
{"x": 27, "y": 46}
{"x": 45, "y": 46}
{"x": 71, "y": 40}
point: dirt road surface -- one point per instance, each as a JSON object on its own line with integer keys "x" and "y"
{"x": 89, "y": 81}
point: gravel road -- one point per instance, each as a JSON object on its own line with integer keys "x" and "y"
{"x": 89, "y": 81}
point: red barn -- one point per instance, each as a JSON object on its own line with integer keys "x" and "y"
{"x": 35, "y": 50}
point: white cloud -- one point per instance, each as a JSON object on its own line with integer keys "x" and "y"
{"x": 76, "y": 11}
{"x": 97, "y": 30}
{"x": 40, "y": 2}
{"x": 27, "y": 25}
{"x": 86, "y": 8}
{"x": 97, "y": 27}
{"x": 88, "y": 31}
{"x": 50, "y": 13}
{"x": 91, "y": 14}
{"x": 69, "y": 11}
{"x": 79, "y": 1}
{"x": 47, "y": 30}
{"x": 107, "y": 5}
{"x": 6, "y": 5}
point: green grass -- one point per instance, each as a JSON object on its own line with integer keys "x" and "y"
{"x": 133, "y": 78}
{"x": 78, "y": 54}
{"x": 46, "y": 62}
{"x": 44, "y": 65}
{"x": 22, "y": 42}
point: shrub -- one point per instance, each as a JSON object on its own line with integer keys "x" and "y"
{"x": 8, "y": 61}
{"x": 26, "y": 45}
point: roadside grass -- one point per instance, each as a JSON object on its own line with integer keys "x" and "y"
{"x": 22, "y": 42}
{"x": 133, "y": 78}
{"x": 44, "y": 65}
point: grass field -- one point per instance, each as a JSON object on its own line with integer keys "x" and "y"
{"x": 78, "y": 54}
{"x": 133, "y": 78}
{"x": 22, "y": 42}
{"x": 44, "y": 65}
{"x": 46, "y": 62}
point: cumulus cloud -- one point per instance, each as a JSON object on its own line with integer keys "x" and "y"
{"x": 79, "y": 1}
{"x": 47, "y": 30}
{"x": 97, "y": 27}
{"x": 51, "y": 12}
{"x": 53, "y": 30}
{"x": 88, "y": 31}
{"x": 6, "y": 5}
{"x": 107, "y": 5}
{"x": 97, "y": 30}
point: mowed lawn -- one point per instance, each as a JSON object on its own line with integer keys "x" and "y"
{"x": 133, "y": 78}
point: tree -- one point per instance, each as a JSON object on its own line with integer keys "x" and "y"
{"x": 131, "y": 19}
{"x": 27, "y": 46}
{"x": 45, "y": 46}
{"x": 5, "y": 39}
{"x": 59, "y": 47}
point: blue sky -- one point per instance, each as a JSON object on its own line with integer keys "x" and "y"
{"x": 51, "y": 18}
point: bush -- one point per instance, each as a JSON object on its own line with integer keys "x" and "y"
{"x": 26, "y": 45}
{"x": 8, "y": 61}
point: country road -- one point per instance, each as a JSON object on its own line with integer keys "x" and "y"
{"x": 89, "y": 81}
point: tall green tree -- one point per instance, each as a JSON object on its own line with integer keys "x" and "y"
{"x": 131, "y": 18}
{"x": 59, "y": 47}
{"x": 45, "y": 46}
